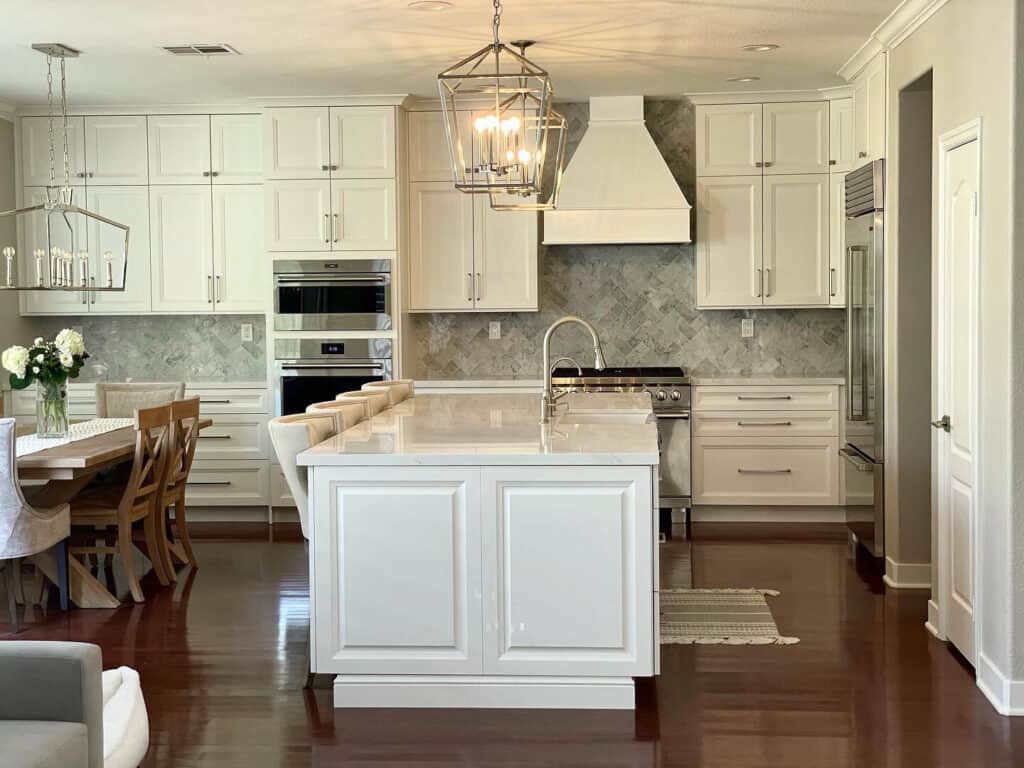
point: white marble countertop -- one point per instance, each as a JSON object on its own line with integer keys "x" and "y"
{"x": 496, "y": 429}
{"x": 754, "y": 380}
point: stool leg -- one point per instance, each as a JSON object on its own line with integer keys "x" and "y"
{"x": 62, "y": 573}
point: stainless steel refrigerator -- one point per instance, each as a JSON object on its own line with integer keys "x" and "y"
{"x": 865, "y": 360}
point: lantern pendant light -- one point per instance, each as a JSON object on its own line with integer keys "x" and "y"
{"x": 505, "y": 139}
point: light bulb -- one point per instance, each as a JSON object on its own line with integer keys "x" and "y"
{"x": 513, "y": 124}
{"x": 524, "y": 156}
{"x": 480, "y": 124}
{"x": 510, "y": 156}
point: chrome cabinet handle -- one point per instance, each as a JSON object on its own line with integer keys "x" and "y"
{"x": 327, "y": 226}
{"x": 207, "y": 482}
{"x": 767, "y": 281}
{"x": 769, "y": 164}
{"x": 209, "y": 289}
{"x": 92, "y": 283}
{"x": 758, "y": 165}
{"x": 337, "y": 227}
{"x": 743, "y": 471}
{"x": 831, "y": 162}
{"x": 80, "y": 174}
{"x": 220, "y": 296}
{"x": 943, "y": 424}
{"x": 760, "y": 283}
{"x": 325, "y": 167}
{"x": 207, "y": 174}
{"x": 832, "y": 281}
{"x": 334, "y": 167}
{"x": 221, "y": 401}
{"x": 89, "y": 175}
{"x": 764, "y": 423}
{"x": 477, "y": 282}
{"x": 469, "y": 286}
{"x": 764, "y": 397}
{"x": 862, "y": 154}
{"x": 215, "y": 437}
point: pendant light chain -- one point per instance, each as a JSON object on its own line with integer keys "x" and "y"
{"x": 497, "y": 20}
{"x": 64, "y": 113}
{"x": 49, "y": 112}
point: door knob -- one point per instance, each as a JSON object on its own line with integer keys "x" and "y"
{"x": 942, "y": 424}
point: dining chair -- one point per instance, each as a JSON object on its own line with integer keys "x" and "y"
{"x": 397, "y": 389}
{"x": 119, "y": 400}
{"x": 135, "y": 502}
{"x": 290, "y": 436}
{"x": 346, "y": 414}
{"x": 375, "y": 401}
{"x": 26, "y": 530}
{"x": 184, "y": 438}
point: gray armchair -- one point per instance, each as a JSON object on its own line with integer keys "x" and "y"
{"x": 51, "y": 713}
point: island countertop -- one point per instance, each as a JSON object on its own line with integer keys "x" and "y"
{"x": 497, "y": 429}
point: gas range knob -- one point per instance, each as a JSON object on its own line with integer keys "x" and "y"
{"x": 676, "y": 395}
{"x": 661, "y": 395}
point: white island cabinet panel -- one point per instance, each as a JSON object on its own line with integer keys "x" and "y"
{"x": 567, "y": 571}
{"x": 397, "y": 585}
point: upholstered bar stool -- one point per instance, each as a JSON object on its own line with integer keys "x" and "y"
{"x": 375, "y": 402}
{"x": 290, "y": 436}
{"x": 346, "y": 414}
{"x": 117, "y": 400}
{"x": 398, "y": 390}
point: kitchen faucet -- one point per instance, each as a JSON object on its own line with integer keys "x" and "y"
{"x": 549, "y": 400}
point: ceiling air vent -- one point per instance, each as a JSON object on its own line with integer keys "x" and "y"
{"x": 202, "y": 49}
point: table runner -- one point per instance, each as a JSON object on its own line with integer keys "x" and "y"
{"x": 83, "y": 430}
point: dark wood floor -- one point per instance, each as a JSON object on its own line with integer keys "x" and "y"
{"x": 221, "y": 659}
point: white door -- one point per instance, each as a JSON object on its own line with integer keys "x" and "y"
{"x": 796, "y": 137}
{"x": 363, "y": 215}
{"x": 128, "y": 205}
{"x": 429, "y": 158}
{"x": 236, "y": 145}
{"x": 240, "y": 268}
{"x": 181, "y": 252}
{"x": 440, "y": 248}
{"x": 115, "y": 150}
{"x": 297, "y": 143}
{"x": 729, "y": 140}
{"x": 398, "y": 570}
{"x": 567, "y": 572}
{"x": 957, "y": 367}
{"x": 298, "y": 215}
{"x": 362, "y": 142}
{"x": 35, "y": 150}
{"x": 179, "y": 149}
{"x": 842, "y": 154}
{"x": 796, "y": 248}
{"x": 505, "y": 258}
{"x": 729, "y": 245}
{"x": 61, "y": 235}
{"x": 837, "y": 240}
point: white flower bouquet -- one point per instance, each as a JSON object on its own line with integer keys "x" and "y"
{"x": 48, "y": 364}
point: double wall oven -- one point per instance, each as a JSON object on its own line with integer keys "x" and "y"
{"x": 314, "y": 370}
{"x": 335, "y": 295}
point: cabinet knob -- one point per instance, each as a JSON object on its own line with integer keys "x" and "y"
{"x": 831, "y": 162}
{"x": 325, "y": 167}
{"x": 862, "y": 154}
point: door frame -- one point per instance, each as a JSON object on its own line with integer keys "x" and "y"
{"x": 949, "y": 141}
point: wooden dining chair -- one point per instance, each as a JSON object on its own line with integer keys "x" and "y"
{"x": 184, "y": 438}
{"x": 136, "y": 502}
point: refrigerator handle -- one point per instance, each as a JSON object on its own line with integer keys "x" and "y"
{"x": 849, "y": 332}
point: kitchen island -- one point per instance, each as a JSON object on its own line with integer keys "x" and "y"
{"x": 464, "y": 555}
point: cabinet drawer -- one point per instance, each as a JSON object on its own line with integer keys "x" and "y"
{"x": 234, "y": 436}
{"x": 280, "y": 494}
{"x": 214, "y": 401}
{"x": 766, "y": 471}
{"x": 228, "y": 484}
{"x": 81, "y": 402}
{"x": 766, "y": 424}
{"x": 766, "y": 398}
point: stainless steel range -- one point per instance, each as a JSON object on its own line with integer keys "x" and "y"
{"x": 670, "y": 396}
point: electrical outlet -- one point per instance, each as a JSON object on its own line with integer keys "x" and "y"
{"x": 747, "y": 328}
{"x": 494, "y": 329}
{"x": 246, "y": 331}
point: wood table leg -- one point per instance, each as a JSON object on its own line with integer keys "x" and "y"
{"x": 86, "y": 591}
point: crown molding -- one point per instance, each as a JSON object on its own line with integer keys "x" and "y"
{"x": 754, "y": 97}
{"x": 7, "y": 111}
{"x": 894, "y": 29}
{"x": 368, "y": 100}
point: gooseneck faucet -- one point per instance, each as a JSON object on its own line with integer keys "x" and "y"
{"x": 549, "y": 400}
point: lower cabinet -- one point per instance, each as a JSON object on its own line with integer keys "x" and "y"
{"x": 493, "y": 570}
{"x": 228, "y": 484}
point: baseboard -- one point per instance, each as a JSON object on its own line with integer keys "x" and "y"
{"x": 1005, "y": 695}
{"x": 933, "y": 623}
{"x": 228, "y": 515}
{"x": 907, "y": 575}
{"x": 767, "y": 514}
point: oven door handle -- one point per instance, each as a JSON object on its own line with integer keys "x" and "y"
{"x": 685, "y": 416}
{"x": 331, "y": 279}
{"x": 315, "y": 366}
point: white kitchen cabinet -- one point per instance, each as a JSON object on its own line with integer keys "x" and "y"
{"x": 297, "y": 143}
{"x": 35, "y": 150}
{"x": 729, "y": 244}
{"x": 429, "y": 158}
{"x": 440, "y": 248}
{"x": 236, "y": 149}
{"x": 362, "y": 142}
{"x": 115, "y": 150}
{"x": 796, "y": 137}
{"x": 758, "y": 397}
{"x": 837, "y": 240}
{"x": 34, "y": 237}
{"x": 128, "y": 205}
{"x": 729, "y": 140}
{"x": 234, "y": 437}
{"x": 796, "y": 246}
{"x": 228, "y": 484}
{"x": 240, "y": 271}
{"x": 505, "y": 258}
{"x": 554, "y": 604}
{"x": 363, "y": 215}
{"x": 298, "y": 215}
{"x": 842, "y": 152}
{"x": 181, "y": 251}
{"x": 869, "y": 111}
{"x": 179, "y": 149}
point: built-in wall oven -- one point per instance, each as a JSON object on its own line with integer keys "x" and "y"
{"x": 332, "y": 295}
{"x": 314, "y": 370}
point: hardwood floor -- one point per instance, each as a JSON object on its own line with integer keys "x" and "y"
{"x": 221, "y": 658}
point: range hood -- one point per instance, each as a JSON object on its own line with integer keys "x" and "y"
{"x": 617, "y": 187}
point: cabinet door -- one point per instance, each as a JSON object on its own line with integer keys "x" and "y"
{"x": 440, "y": 248}
{"x": 842, "y": 153}
{"x": 128, "y": 205}
{"x": 429, "y": 159}
{"x": 34, "y": 237}
{"x": 182, "y": 243}
{"x": 396, "y": 604}
{"x": 240, "y": 270}
{"x": 363, "y": 215}
{"x": 796, "y": 137}
{"x": 556, "y": 602}
{"x": 860, "y": 121}
{"x": 179, "y": 149}
{"x": 876, "y": 98}
{"x": 362, "y": 142}
{"x": 236, "y": 148}
{"x": 837, "y": 240}
{"x": 298, "y": 215}
{"x": 729, "y": 140}
{"x": 729, "y": 272}
{"x": 35, "y": 150}
{"x": 505, "y": 258}
{"x": 297, "y": 143}
{"x": 115, "y": 150}
{"x": 796, "y": 248}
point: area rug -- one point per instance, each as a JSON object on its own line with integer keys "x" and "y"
{"x": 719, "y": 617}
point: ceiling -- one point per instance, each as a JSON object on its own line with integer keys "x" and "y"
{"x": 335, "y": 47}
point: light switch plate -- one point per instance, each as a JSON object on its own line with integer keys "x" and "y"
{"x": 494, "y": 329}
{"x": 246, "y": 331}
{"x": 747, "y": 327}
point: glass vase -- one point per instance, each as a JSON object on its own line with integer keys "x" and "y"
{"x": 51, "y": 409}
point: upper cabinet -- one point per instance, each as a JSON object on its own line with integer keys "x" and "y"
{"x": 869, "y": 111}
{"x": 428, "y": 154}
{"x": 115, "y": 150}
{"x": 297, "y": 143}
{"x": 729, "y": 140}
{"x": 362, "y": 142}
{"x": 236, "y": 149}
{"x": 842, "y": 153}
{"x": 129, "y": 205}
{"x": 796, "y": 138}
{"x": 35, "y": 151}
{"x": 179, "y": 149}
{"x": 796, "y": 247}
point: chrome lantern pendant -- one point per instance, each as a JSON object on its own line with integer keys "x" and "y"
{"x": 59, "y": 262}
{"x": 505, "y": 139}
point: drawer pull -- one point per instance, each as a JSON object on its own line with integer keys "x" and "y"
{"x": 208, "y": 482}
{"x": 764, "y": 397}
{"x": 764, "y": 471}
{"x": 223, "y": 401}
{"x": 215, "y": 437}
{"x": 764, "y": 423}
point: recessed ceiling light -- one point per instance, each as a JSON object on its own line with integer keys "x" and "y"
{"x": 746, "y": 79}
{"x": 761, "y": 47}
{"x": 430, "y": 5}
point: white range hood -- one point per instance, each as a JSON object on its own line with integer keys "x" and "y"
{"x": 617, "y": 187}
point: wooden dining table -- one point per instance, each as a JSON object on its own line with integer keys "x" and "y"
{"x": 67, "y": 469}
